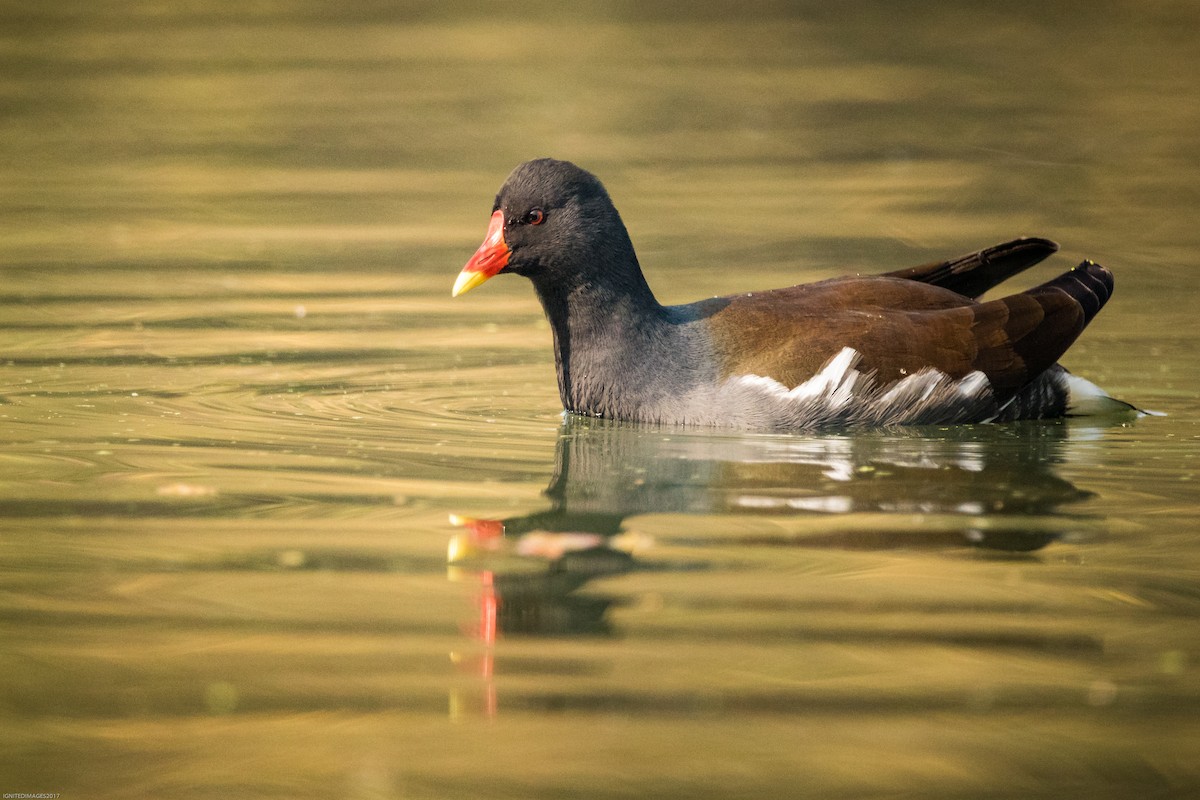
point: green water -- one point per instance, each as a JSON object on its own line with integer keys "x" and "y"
{"x": 278, "y": 518}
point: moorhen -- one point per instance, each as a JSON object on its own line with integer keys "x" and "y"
{"x": 913, "y": 346}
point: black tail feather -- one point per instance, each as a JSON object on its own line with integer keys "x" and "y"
{"x": 1089, "y": 284}
{"x": 973, "y": 274}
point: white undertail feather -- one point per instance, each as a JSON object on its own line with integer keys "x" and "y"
{"x": 1086, "y": 399}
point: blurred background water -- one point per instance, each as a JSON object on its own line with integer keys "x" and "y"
{"x": 280, "y": 519}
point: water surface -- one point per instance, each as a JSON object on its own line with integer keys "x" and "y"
{"x": 280, "y": 519}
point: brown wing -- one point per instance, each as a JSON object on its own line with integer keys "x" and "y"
{"x": 973, "y": 274}
{"x": 899, "y": 327}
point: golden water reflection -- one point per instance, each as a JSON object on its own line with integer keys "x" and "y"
{"x": 237, "y": 406}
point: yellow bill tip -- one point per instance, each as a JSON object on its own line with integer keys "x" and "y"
{"x": 468, "y": 280}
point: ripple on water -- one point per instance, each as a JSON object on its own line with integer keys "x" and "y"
{"x": 183, "y": 436}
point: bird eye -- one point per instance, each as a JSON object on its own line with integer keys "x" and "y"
{"x": 533, "y": 217}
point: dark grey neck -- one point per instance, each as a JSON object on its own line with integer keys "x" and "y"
{"x": 619, "y": 353}
{"x": 598, "y": 332}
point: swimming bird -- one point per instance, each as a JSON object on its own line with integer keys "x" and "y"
{"x": 913, "y": 346}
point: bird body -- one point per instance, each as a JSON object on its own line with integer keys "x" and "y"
{"x": 913, "y": 346}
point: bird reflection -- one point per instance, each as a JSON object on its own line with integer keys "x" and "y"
{"x": 607, "y": 472}
{"x": 991, "y": 487}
